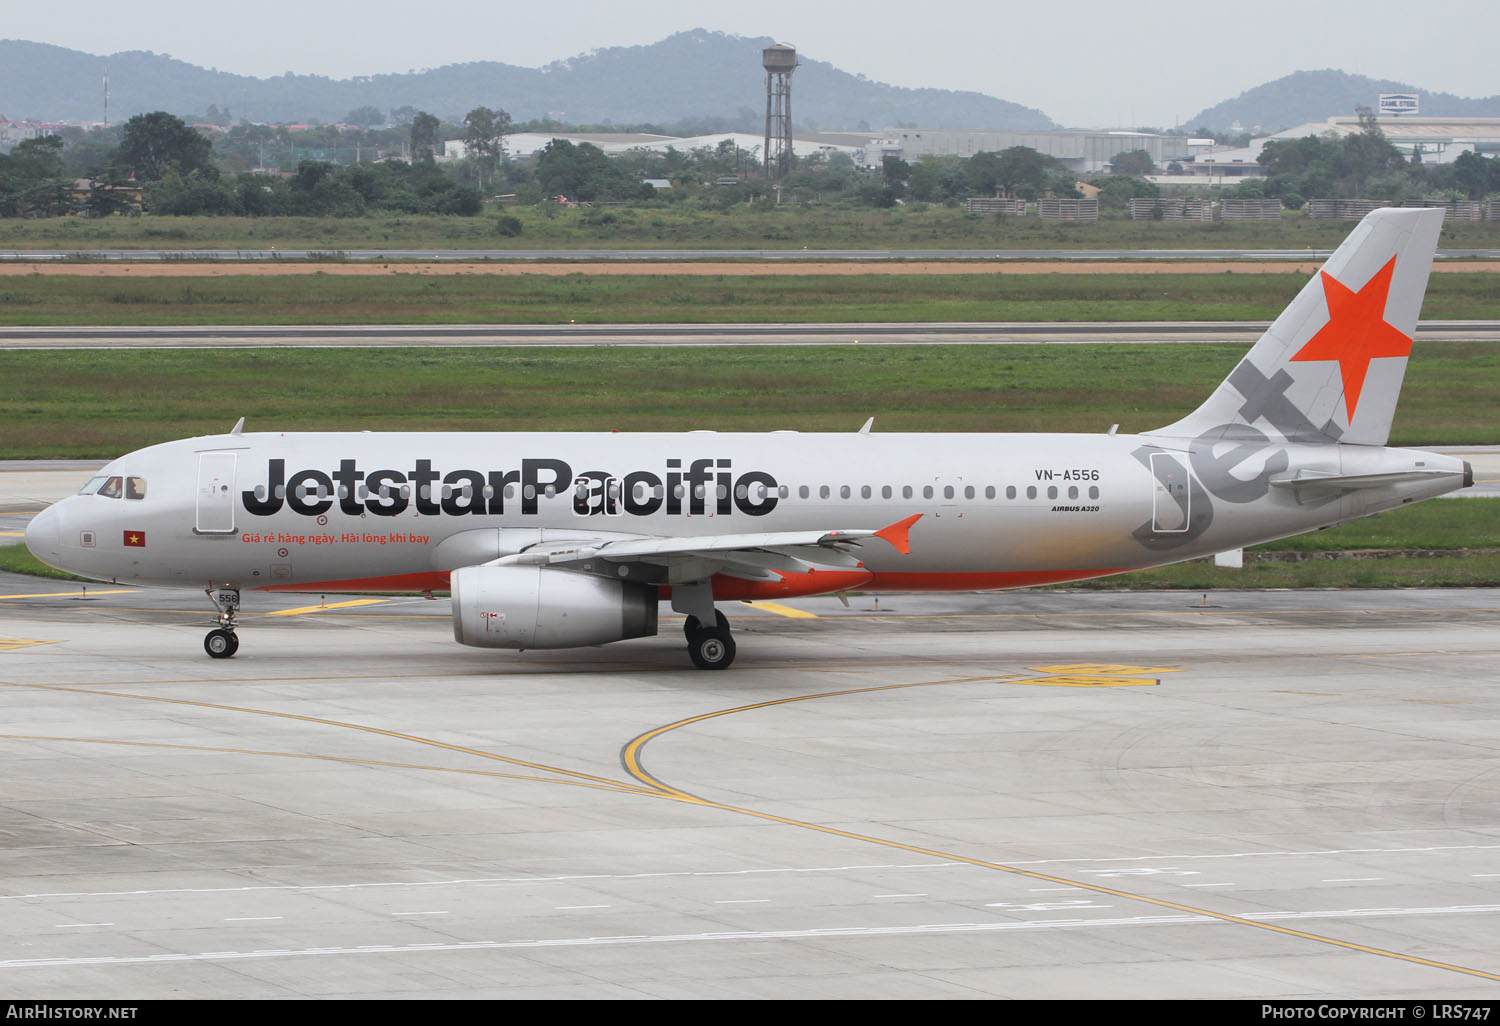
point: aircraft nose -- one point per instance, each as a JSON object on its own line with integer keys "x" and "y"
{"x": 43, "y": 533}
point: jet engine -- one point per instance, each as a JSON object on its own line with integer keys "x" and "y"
{"x": 536, "y": 607}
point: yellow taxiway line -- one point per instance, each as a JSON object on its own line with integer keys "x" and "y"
{"x": 319, "y": 609}
{"x": 781, "y": 610}
{"x": 71, "y": 594}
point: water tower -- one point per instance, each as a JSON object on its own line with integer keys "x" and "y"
{"x": 779, "y": 61}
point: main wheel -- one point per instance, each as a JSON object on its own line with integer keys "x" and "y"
{"x": 221, "y": 644}
{"x": 711, "y": 649}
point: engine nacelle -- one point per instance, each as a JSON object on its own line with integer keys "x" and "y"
{"x": 534, "y": 607}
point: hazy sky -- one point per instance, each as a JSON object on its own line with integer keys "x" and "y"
{"x": 1095, "y": 63}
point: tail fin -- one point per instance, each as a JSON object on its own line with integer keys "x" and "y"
{"x": 1330, "y": 367}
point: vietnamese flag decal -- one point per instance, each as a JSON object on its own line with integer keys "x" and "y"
{"x": 135, "y": 539}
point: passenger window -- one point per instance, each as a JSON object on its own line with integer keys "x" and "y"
{"x": 1052, "y": 491}
{"x": 844, "y": 492}
{"x": 803, "y": 492}
{"x": 989, "y": 491}
{"x": 1031, "y": 491}
{"x": 947, "y": 491}
{"x": 1093, "y": 491}
{"x": 927, "y": 491}
{"x": 906, "y": 491}
{"x": 1072, "y": 491}
{"x": 968, "y": 491}
{"x": 111, "y": 489}
{"x": 1010, "y": 491}
{"x": 885, "y": 491}
{"x": 823, "y": 491}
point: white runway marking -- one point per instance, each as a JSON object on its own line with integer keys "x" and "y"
{"x": 697, "y": 938}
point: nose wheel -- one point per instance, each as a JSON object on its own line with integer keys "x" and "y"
{"x": 711, "y": 648}
{"x": 222, "y": 642}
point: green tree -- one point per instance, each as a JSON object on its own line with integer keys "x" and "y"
{"x": 1021, "y": 171}
{"x": 110, "y": 192}
{"x": 364, "y": 118}
{"x": 583, "y": 172}
{"x": 36, "y": 159}
{"x": 153, "y": 143}
{"x": 1369, "y": 154}
{"x": 1476, "y": 175}
{"x": 33, "y": 180}
{"x": 1136, "y": 163}
{"x": 424, "y": 137}
{"x": 1116, "y": 193}
{"x": 484, "y": 140}
{"x": 922, "y": 181}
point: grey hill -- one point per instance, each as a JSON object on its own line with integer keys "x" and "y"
{"x": 698, "y": 80}
{"x": 1308, "y": 96}
{"x": 680, "y": 78}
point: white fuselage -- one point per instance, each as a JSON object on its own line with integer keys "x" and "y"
{"x": 364, "y": 511}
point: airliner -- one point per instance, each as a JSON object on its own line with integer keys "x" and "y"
{"x": 560, "y": 540}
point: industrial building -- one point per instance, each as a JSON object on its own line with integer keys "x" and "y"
{"x": 1439, "y": 140}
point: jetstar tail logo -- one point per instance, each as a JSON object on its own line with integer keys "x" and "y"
{"x": 1356, "y": 332}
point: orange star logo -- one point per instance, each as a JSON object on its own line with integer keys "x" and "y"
{"x": 1356, "y": 332}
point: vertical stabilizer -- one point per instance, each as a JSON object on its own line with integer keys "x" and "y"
{"x": 1330, "y": 367}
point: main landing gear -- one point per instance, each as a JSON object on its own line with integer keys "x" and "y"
{"x": 222, "y": 642}
{"x": 711, "y": 648}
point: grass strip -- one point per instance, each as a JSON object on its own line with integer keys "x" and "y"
{"x": 38, "y": 299}
{"x": 664, "y": 225}
{"x": 98, "y": 404}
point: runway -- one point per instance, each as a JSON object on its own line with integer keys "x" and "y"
{"x": 1032, "y": 794}
{"x": 656, "y": 335}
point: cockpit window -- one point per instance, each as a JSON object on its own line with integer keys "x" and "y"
{"x": 115, "y": 487}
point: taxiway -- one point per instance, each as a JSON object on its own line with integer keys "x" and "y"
{"x": 1019, "y": 795}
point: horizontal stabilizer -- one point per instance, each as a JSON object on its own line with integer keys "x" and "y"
{"x": 1355, "y": 482}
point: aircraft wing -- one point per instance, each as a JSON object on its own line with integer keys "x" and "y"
{"x": 749, "y": 556}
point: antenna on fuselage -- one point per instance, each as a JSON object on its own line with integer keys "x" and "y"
{"x": 239, "y": 426}
{"x": 868, "y": 424}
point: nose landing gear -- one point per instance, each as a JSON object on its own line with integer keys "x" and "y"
{"x": 222, "y": 642}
